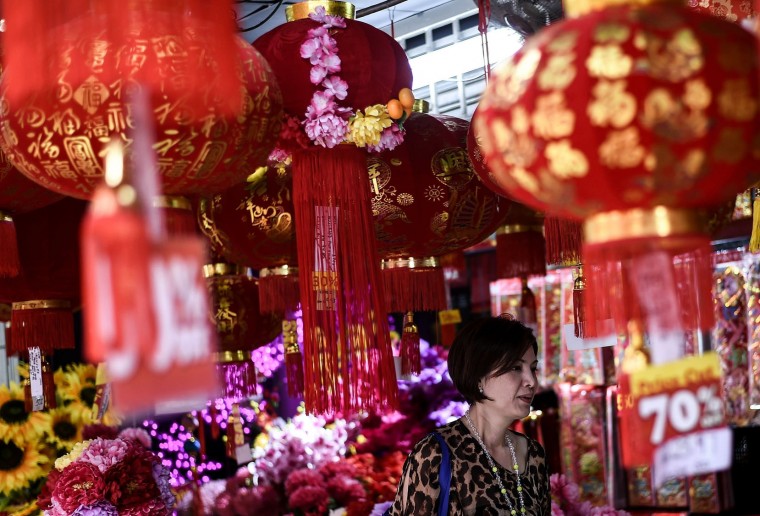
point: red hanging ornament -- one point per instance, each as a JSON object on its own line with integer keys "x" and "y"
{"x": 411, "y": 362}
{"x": 348, "y": 360}
{"x": 46, "y": 291}
{"x": 178, "y": 214}
{"x": 240, "y": 326}
{"x": 252, "y": 224}
{"x": 663, "y": 121}
{"x": 293, "y": 359}
{"x": 520, "y": 244}
{"x": 563, "y": 241}
{"x": 427, "y": 202}
{"x": 57, "y": 138}
{"x": 17, "y": 195}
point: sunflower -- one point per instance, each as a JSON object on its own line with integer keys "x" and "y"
{"x": 66, "y": 428}
{"x": 77, "y": 384}
{"x": 15, "y": 422}
{"x": 20, "y": 465}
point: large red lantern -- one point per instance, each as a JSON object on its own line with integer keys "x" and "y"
{"x": 338, "y": 76}
{"x": 427, "y": 202}
{"x": 17, "y": 195}
{"x": 58, "y": 139}
{"x": 240, "y": 326}
{"x": 252, "y": 224}
{"x": 631, "y": 118}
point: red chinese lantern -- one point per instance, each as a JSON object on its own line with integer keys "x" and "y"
{"x": 57, "y": 139}
{"x": 338, "y": 74}
{"x": 631, "y": 118}
{"x": 240, "y": 326}
{"x": 17, "y": 195}
{"x": 252, "y": 224}
{"x": 729, "y": 10}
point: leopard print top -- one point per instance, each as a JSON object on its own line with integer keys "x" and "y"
{"x": 474, "y": 490}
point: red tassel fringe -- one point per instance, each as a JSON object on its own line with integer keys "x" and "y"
{"x": 47, "y": 328}
{"x": 348, "y": 362}
{"x": 239, "y": 380}
{"x": 279, "y": 294}
{"x": 411, "y": 362}
{"x": 294, "y": 372}
{"x": 520, "y": 254}
{"x": 37, "y": 28}
{"x": 611, "y": 293}
{"x": 9, "y": 261}
{"x": 418, "y": 290}
{"x": 180, "y": 221}
{"x": 584, "y": 328}
{"x": 563, "y": 241}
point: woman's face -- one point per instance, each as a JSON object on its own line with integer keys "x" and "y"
{"x": 512, "y": 392}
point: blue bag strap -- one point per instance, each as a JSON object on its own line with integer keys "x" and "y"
{"x": 444, "y": 476}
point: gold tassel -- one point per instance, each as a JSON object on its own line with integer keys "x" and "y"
{"x": 754, "y": 241}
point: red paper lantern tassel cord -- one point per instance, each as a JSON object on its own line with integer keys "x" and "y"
{"x": 9, "y": 261}
{"x": 278, "y": 289}
{"x": 348, "y": 359}
{"x": 411, "y": 362}
{"x": 178, "y": 214}
{"x": 239, "y": 375}
{"x": 520, "y": 251}
{"x": 563, "y": 241}
{"x": 413, "y": 284}
{"x": 583, "y": 327}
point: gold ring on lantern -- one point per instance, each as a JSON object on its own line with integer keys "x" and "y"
{"x": 302, "y": 10}
{"x": 5, "y": 217}
{"x": 410, "y": 263}
{"x": 42, "y": 304}
{"x": 228, "y": 357}
{"x": 510, "y": 229}
{"x": 661, "y": 221}
{"x": 212, "y": 270}
{"x": 421, "y": 106}
{"x": 172, "y": 201}
{"x": 576, "y": 8}
{"x": 282, "y": 270}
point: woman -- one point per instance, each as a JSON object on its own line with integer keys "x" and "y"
{"x": 494, "y": 470}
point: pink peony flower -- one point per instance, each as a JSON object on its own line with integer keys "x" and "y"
{"x": 390, "y": 138}
{"x": 336, "y": 86}
{"x": 345, "y": 490}
{"x": 563, "y": 490}
{"x": 310, "y": 500}
{"x": 137, "y": 435}
{"x": 79, "y": 484}
{"x": 327, "y": 130}
{"x": 338, "y": 468}
{"x": 303, "y": 477}
{"x": 104, "y": 453}
{"x": 556, "y": 510}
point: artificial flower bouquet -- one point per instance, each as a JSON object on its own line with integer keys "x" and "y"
{"x": 104, "y": 477}
{"x": 566, "y": 500}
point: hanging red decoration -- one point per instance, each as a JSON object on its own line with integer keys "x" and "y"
{"x": 337, "y": 76}
{"x": 46, "y": 291}
{"x": 663, "y": 121}
{"x": 57, "y": 139}
{"x": 563, "y": 240}
{"x": 293, "y": 358}
{"x": 240, "y": 326}
{"x": 17, "y": 195}
{"x": 729, "y": 10}
{"x": 168, "y": 31}
{"x": 427, "y": 202}
{"x": 520, "y": 244}
{"x": 252, "y": 224}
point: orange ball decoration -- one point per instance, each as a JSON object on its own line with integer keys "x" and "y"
{"x": 395, "y": 109}
{"x": 406, "y": 97}
{"x": 58, "y": 139}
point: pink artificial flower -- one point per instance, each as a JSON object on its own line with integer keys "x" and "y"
{"x": 278, "y": 155}
{"x": 390, "y": 138}
{"x": 320, "y": 15}
{"x": 317, "y": 74}
{"x": 327, "y": 130}
{"x": 137, "y": 435}
{"x": 556, "y": 510}
{"x": 336, "y": 86}
{"x": 310, "y": 500}
{"x": 321, "y": 103}
{"x": 104, "y": 453}
{"x": 563, "y": 490}
{"x": 330, "y": 61}
{"x": 303, "y": 477}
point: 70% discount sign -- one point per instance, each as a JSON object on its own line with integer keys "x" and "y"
{"x": 675, "y": 419}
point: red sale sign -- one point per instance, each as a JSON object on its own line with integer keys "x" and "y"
{"x": 672, "y": 417}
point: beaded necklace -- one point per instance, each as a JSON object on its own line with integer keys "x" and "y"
{"x": 495, "y": 470}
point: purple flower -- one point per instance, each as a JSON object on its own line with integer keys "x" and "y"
{"x": 278, "y": 155}
{"x": 104, "y": 453}
{"x": 336, "y": 86}
{"x": 390, "y": 138}
{"x": 380, "y": 508}
{"x": 102, "y": 508}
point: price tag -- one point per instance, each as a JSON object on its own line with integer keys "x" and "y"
{"x": 450, "y": 316}
{"x": 676, "y": 418}
{"x": 35, "y": 379}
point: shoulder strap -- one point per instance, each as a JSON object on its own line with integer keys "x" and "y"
{"x": 444, "y": 475}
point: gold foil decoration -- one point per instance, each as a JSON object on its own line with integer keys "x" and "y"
{"x": 563, "y": 42}
{"x": 302, "y": 10}
{"x": 609, "y": 61}
{"x": 564, "y": 161}
{"x": 612, "y": 104}
{"x": 558, "y": 73}
{"x": 552, "y": 118}
{"x": 660, "y": 221}
{"x": 674, "y": 60}
{"x": 621, "y": 149}
{"x": 697, "y": 95}
{"x": 736, "y": 102}
{"x": 611, "y": 32}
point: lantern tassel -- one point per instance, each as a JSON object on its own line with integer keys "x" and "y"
{"x": 178, "y": 215}
{"x": 754, "y": 241}
{"x": 583, "y": 327}
{"x": 563, "y": 241}
{"x": 416, "y": 289}
{"x": 411, "y": 362}
{"x": 528, "y": 311}
{"x": 293, "y": 359}
{"x": 9, "y": 261}
{"x": 520, "y": 251}
{"x": 47, "y": 324}
{"x": 239, "y": 380}
{"x": 278, "y": 293}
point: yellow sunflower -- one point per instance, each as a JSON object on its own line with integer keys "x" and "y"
{"x": 15, "y": 422}
{"x": 66, "y": 428}
{"x": 77, "y": 384}
{"x": 20, "y": 465}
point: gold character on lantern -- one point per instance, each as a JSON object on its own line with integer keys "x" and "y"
{"x": 559, "y": 72}
{"x": 551, "y": 118}
{"x": 226, "y": 319}
{"x": 563, "y": 42}
{"x": 697, "y": 95}
{"x": 82, "y": 156}
{"x": 611, "y": 32}
{"x": 609, "y": 61}
{"x": 452, "y": 167}
{"x": 91, "y": 94}
{"x": 736, "y": 102}
{"x": 565, "y": 161}
{"x": 621, "y": 149}
{"x": 65, "y": 122}
{"x": 612, "y": 104}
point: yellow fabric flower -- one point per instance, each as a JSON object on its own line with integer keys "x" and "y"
{"x": 365, "y": 129}
{"x": 66, "y": 427}
{"x": 62, "y": 463}
{"x": 15, "y": 422}
{"x": 78, "y": 384}
{"x": 20, "y": 465}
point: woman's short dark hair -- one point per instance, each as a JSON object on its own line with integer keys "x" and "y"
{"x": 487, "y": 347}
